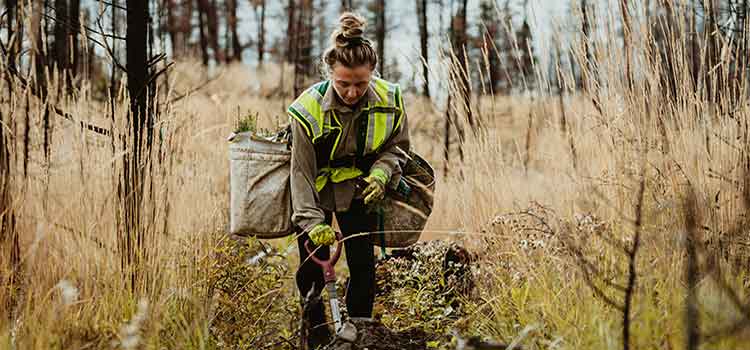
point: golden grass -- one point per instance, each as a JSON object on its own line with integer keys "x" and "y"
{"x": 72, "y": 294}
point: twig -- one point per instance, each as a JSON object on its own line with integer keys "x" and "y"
{"x": 632, "y": 273}
{"x": 109, "y": 50}
{"x": 58, "y": 111}
{"x": 199, "y": 87}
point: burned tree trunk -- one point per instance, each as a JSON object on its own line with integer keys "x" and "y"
{"x": 424, "y": 37}
{"x": 172, "y": 28}
{"x": 132, "y": 239}
{"x": 37, "y": 47}
{"x": 186, "y": 27}
{"x": 260, "y": 6}
{"x": 461, "y": 67}
{"x": 303, "y": 48}
{"x": 75, "y": 25}
{"x": 291, "y": 31}
{"x": 262, "y": 32}
{"x": 586, "y": 68}
{"x": 380, "y": 34}
{"x": 213, "y": 29}
{"x": 202, "y": 32}
{"x": 12, "y": 12}
{"x": 232, "y": 23}
{"x": 61, "y": 44}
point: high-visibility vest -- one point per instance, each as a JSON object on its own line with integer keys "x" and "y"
{"x": 383, "y": 119}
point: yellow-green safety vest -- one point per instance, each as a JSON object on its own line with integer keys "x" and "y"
{"x": 383, "y": 119}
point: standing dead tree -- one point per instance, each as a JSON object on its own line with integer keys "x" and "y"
{"x": 232, "y": 33}
{"x": 460, "y": 69}
{"x": 135, "y": 183}
{"x": 380, "y": 33}
{"x": 424, "y": 37}
{"x": 302, "y": 47}
{"x": 626, "y": 33}
{"x": 259, "y": 7}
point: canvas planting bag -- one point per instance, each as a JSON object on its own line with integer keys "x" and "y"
{"x": 260, "y": 190}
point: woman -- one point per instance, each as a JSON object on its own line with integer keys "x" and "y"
{"x": 345, "y": 129}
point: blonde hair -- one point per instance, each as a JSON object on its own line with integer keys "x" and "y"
{"x": 349, "y": 47}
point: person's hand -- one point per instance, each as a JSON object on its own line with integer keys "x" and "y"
{"x": 375, "y": 189}
{"x": 322, "y": 234}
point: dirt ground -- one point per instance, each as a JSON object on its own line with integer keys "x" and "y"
{"x": 373, "y": 335}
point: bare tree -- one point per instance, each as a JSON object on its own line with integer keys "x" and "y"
{"x": 303, "y": 67}
{"x": 38, "y": 51}
{"x": 291, "y": 31}
{"x": 625, "y": 11}
{"x": 460, "y": 70}
{"x": 202, "y": 31}
{"x": 15, "y": 27}
{"x": 172, "y": 27}
{"x": 586, "y": 41}
{"x": 260, "y": 18}
{"x": 61, "y": 34}
{"x": 424, "y": 37}
{"x": 380, "y": 33}
{"x": 140, "y": 123}
{"x": 74, "y": 15}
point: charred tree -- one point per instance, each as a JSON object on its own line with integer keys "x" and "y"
{"x": 232, "y": 23}
{"x": 291, "y": 31}
{"x": 260, "y": 16}
{"x": 38, "y": 51}
{"x": 424, "y": 37}
{"x": 13, "y": 30}
{"x": 624, "y": 9}
{"x": 525, "y": 56}
{"x": 209, "y": 31}
{"x": 61, "y": 34}
{"x": 587, "y": 66}
{"x": 303, "y": 49}
{"x": 380, "y": 32}
{"x": 460, "y": 68}
{"x": 203, "y": 32}
{"x": 74, "y": 15}
{"x": 172, "y": 28}
{"x": 488, "y": 46}
{"x": 140, "y": 123}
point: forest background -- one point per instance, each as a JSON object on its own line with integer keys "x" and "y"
{"x": 591, "y": 155}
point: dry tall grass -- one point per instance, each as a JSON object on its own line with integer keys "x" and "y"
{"x": 517, "y": 199}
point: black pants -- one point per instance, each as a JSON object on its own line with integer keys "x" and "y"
{"x": 360, "y": 257}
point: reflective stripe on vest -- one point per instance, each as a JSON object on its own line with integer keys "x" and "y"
{"x": 384, "y": 117}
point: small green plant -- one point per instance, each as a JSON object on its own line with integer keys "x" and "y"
{"x": 246, "y": 123}
{"x": 253, "y": 295}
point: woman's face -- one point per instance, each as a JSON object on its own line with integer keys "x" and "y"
{"x": 351, "y": 83}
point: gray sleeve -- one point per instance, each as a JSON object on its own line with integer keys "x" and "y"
{"x": 391, "y": 158}
{"x": 306, "y": 211}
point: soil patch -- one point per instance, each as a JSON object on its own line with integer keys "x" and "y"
{"x": 373, "y": 335}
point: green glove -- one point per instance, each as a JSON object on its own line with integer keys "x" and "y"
{"x": 375, "y": 189}
{"x": 322, "y": 234}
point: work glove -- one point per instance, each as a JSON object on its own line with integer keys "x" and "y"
{"x": 322, "y": 234}
{"x": 375, "y": 189}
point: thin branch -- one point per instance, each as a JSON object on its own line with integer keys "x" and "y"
{"x": 109, "y": 50}
{"x": 632, "y": 273}
{"x": 13, "y": 72}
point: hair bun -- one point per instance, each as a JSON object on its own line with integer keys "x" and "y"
{"x": 351, "y": 30}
